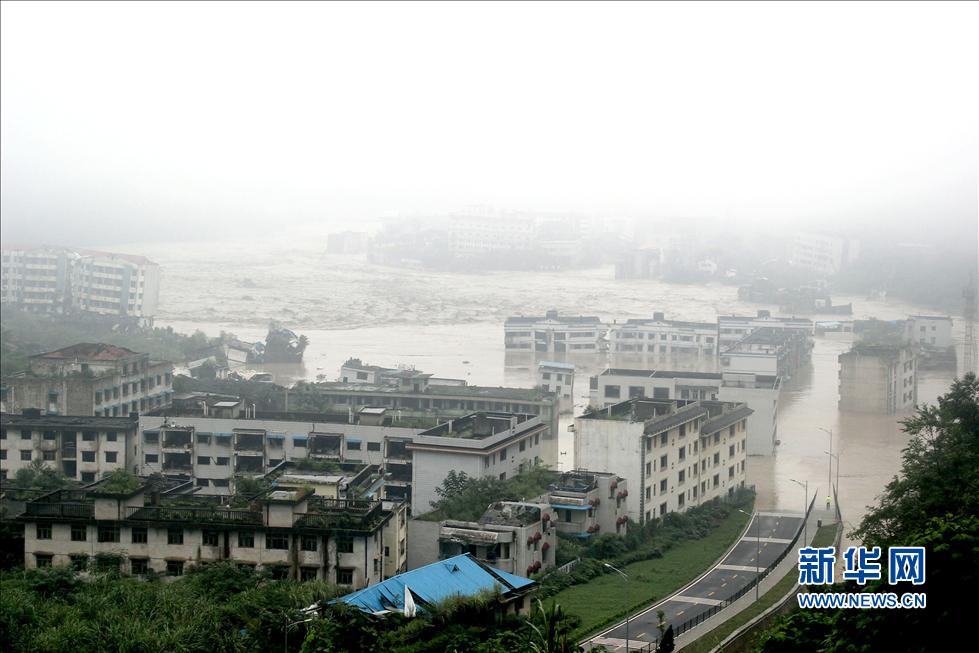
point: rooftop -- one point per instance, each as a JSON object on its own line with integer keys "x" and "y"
{"x": 93, "y": 351}
{"x": 489, "y": 392}
{"x": 477, "y": 426}
{"x": 67, "y": 422}
{"x": 459, "y": 576}
{"x": 660, "y": 374}
{"x": 511, "y": 513}
{"x": 642, "y": 321}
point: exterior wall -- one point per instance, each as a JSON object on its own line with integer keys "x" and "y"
{"x": 395, "y": 541}
{"x": 884, "y": 382}
{"x": 822, "y": 253}
{"x": 751, "y": 362}
{"x": 664, "y": 337}
{"x": 423, "y": 542}
{"x": 429, "y": 469}
{"x": 558, "y": 379}
{"x": 732, "y": 328}
{"x": 612, "y": 446}
{"x": 763, "y": 423}
{"x": 551, "y": 334}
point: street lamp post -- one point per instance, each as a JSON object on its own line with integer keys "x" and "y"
{"x": 628, "y": 611}
{"x": 757, "y": 551}
{"x": 837, "y": 486}
{"x": 805, "y": 508}
{"x": 829, "y": 480}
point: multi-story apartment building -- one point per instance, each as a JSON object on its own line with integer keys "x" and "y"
{"x": 768, "y": 351}
{"x": 59, "y": 279}
{"x": 483, "y": 444}
{"x": 823, "y": 253}
{"x": 930, "y": 331}
{"x": 211, "y": 451}
{"x": 664, "y": 337}
{"x": 517, "y": 537}
{"x": 406, "y": 378}
{"x": 878, "y": 379}
{"x": 486, "y": 232}
{"x": 558, "y": 378}
{"x": 555, "y": 334}
{"x": 290, "y": 531}
{"x": 759, "y": 392}
{"x": 83, "y": 448}
{"x": 415, "y": 396}
{"x": 90, "y": 379}
{"x": 673, "y": 454}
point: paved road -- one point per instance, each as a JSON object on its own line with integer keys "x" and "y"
{"x": 767, "y": 537}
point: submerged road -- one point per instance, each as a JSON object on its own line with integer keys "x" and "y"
{"x": 768, "y": 536}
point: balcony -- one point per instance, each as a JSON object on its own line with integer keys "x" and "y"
{"x": 60, "y": 510}
{"x": 69, "y": 451}
{"x": 250, "y": 442}
{"x": 177, "y": 462}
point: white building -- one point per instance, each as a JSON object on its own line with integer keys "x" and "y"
{"x": 558, "y": 378}
{"x": 586, "y": 504}
{"x": 673, "y": 454}
{"x": 497, "y": 445}
{"x": 822, "y": 253}
{"x": 878, "y": 379}
{"x": 931, "y": 331}
{"x": 517, "y": 537}
{"x": 758, "y": 391}
{"x": 731, "y": 329}
{"x": 59, "y": 279}
{"x": 664, "y": 337}
{"x": 553, "y": 333}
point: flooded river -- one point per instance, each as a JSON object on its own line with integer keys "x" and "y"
{"x": 452, "y": 325}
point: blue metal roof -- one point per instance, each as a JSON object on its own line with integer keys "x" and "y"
{"x": 565, "y": 507}
{"x": 460, "y": 575}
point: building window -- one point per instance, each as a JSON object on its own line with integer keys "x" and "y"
{"x": 138, "y": 535}
{"x": 308, "y": 543}
{"x": 276, "y": 541}
{"x": 43, "y": 559}
{"x": 222, "y": 460}
{"x": 209, "y": 538}
{"x": 108, "y": 533}
{"x": 47, "y": 455}
{"x": 175, "y": 567}
{"x": 345, "y": 545}
{"x": 88, "y": 477}
{"x": 523, "y": 445}
{"x": 44, "y": 531}
{"x": 246, "y": 540}
{"x": 373, "y": 446}
{"x": 88, "y": 456}
{"x": 353, "y": 445}
{"x": 203, "y": 460}
{"x": 613, "y": 391}
{"x": 111, "y": 456}
{"x": 152, "y": 458}
{"x": 175, "y": 536}
{"x": 345, "y": 576}
{"x": 307, "y": 574}
{"x": 503, "y": 454}
{"x": 139, "y": 566}
{"x": 79, "y": 532}
{"x": 25, "y": 455}
{"x": 662, "y": 486}
{"x": 110, "y": 436}
{"x": 79, "y": 562}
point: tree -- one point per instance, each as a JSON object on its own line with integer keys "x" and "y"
{"x": 38, "y": 476}
{"x": 666, "y": 645}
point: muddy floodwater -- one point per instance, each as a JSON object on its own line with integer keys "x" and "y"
{"x": 451, "y": 324}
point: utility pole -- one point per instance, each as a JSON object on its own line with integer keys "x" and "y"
{"x": 805, "y": 508}
{"x": 829, "y": 481}
{"x": 628, "y": 605}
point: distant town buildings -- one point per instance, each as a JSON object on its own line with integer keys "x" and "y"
{"x": 553, "y": 333}
{"x": 823, "y": 254}
{"x": 878, "y": 379}
{"x": 664, "y": 337}
{"x": 674, "y": 454}
{"x": 347, "y": 242}
{"x": 63, "y": 280}
{"x": 89, "y": 379}
{"x": 930, "y": 331}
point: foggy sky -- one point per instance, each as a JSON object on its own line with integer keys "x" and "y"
{"x": 138, "y": 120}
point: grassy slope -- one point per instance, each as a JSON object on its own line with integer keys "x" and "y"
{"x": 603, "y": 600}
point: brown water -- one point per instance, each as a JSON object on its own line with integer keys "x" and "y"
{"x": 451, "y": 325}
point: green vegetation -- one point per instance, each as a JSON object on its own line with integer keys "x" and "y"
{"x": 38, "y": 477}
{"x": 464, "y": 498}
{"x": 933, "y": 503}
{"x": 659, "y": 558}
{"x": 221, "y": 607}
{"x": 825, "y": 536}
{"x": 119, "y": 482}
